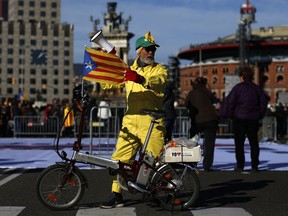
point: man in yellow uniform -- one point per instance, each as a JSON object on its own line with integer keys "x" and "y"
{"x": 145, "y": 83}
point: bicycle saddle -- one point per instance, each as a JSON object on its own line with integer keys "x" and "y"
{"x": 156, "y": 114}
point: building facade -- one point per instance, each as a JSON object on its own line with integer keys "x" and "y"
{"x": 36, "y": 51}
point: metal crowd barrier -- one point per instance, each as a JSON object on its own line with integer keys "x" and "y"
{"x": 269, "y": 129}
{"x": 34, "y": 126}
{"x": 106, "y": 130}
{"x": 97, "y": 127}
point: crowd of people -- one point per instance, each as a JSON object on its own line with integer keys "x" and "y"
{"x": 10, "y": 109}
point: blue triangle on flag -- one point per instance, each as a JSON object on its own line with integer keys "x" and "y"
{"x": 88, "y": 65}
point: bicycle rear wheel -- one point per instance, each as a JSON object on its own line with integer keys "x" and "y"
{"x": 187, "y": 187}
{"x": 54, "y": 196}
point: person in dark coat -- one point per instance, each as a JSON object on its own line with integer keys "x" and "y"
{"x": 199, "y": 102}
{"x": 168, "y": 107}
{"x": 246, "y": 104}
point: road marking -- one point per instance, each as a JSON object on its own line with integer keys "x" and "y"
{"x": 127, "y": 211}
{"x": 10, "y": 210}
{"x": 9, "y": 177}
{"x": 220, "y": 212}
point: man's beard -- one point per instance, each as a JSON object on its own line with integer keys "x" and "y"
{"x": 148, "y": 61}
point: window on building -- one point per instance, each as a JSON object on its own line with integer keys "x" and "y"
{"x": 32, "y": 71}
{"x": 205, "y": 71}
{"x": 67, "y": 53}
{"x": 32, "y": 4}
{"x": 11, "y": 28}
{"x": 265, "y": 79}
{"x": 44, "y": 27}
{"x": 66, "y": 91}
{"x": 55, "y": 91}
{"x": 44, "y": 72}
{"x": 56, "y": 31}
{"x": 66, "y": 62}
{"x": 55, "y": 62}
{"x": 214, "y": 80}
{"x": 225, "y": 70}
{"x": 10, "y": 61}
{"x": 33, "y": 42}
{"x": 214, "y": 70}
{"x": 33, "y": 29}
{"x": 21, "y": 3}
{"x": 21, "y": 81}
{"x": 55, "y": 52}
{"x": 43, "y": 4}
{"x": 20, "y": 12}
{"x": 54, "y": 5}
{"x": 32, "y": 81}
{"x": 21, "y": 43}
{"x": 31, "y": 13}
{"x": 32, "y": 91}
{"x": 280, "y": 68}
{"x": 55, "y": 81}
{"x": 44, "y": 81}
{"x": 280, "y": 79}
{"x": 53, "y": 14}
{"x": 42, "y": 13}
{"x": 9, "y": 80}
{"x": 44, "y": 42}
{"x": 55, "y": 72}
{"x": 67, "y": 31}
{"x": 10, "y": 71}
{"x": 66, "y": 43}
{"x": 66, "y": 81}
{"x": 22, "y": 28}
{"x": 43, "y": 91}
{"x": 9, "y": 90}
{"x": 55, "y": 43}
{"x": 10, "y": 41}
{"x": 10, "y": 51}
{"x": 66, "y": 72}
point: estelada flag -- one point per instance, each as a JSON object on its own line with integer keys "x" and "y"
{"x": 23, "y": 96}
{"x": 103, "y": 67}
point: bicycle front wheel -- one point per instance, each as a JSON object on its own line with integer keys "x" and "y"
{"x": 58, "y": 191}
{"x": 182, "y": 192}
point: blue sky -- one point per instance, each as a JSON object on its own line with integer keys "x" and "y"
{"x": 175, "y": 24}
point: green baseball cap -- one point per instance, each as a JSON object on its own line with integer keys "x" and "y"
{"x": 145, "y": 41}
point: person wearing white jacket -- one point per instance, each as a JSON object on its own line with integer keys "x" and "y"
{"x": 104, "y": 113}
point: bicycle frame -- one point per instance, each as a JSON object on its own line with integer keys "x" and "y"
{"x": 116, "y": 165}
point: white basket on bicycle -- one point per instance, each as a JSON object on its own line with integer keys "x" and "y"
{"x": 181, "y": 150}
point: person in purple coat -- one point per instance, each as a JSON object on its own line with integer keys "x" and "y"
{"x": 246, "y": 104}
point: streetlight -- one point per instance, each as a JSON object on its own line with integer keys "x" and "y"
{"x": 22, "y": 66}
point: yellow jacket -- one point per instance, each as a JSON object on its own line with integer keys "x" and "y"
{"x": 69, "y": 122}
{"x": 148, "y": 95}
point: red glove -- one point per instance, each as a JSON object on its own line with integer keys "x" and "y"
{"x": 133, "y": 76}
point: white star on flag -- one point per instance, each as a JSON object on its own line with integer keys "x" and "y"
{"x": 89, "y": 65}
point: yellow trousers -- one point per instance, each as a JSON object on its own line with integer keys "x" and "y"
{"x": 132, "y": 135}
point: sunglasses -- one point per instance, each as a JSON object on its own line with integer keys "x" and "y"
{"x": 150, "y": 48}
